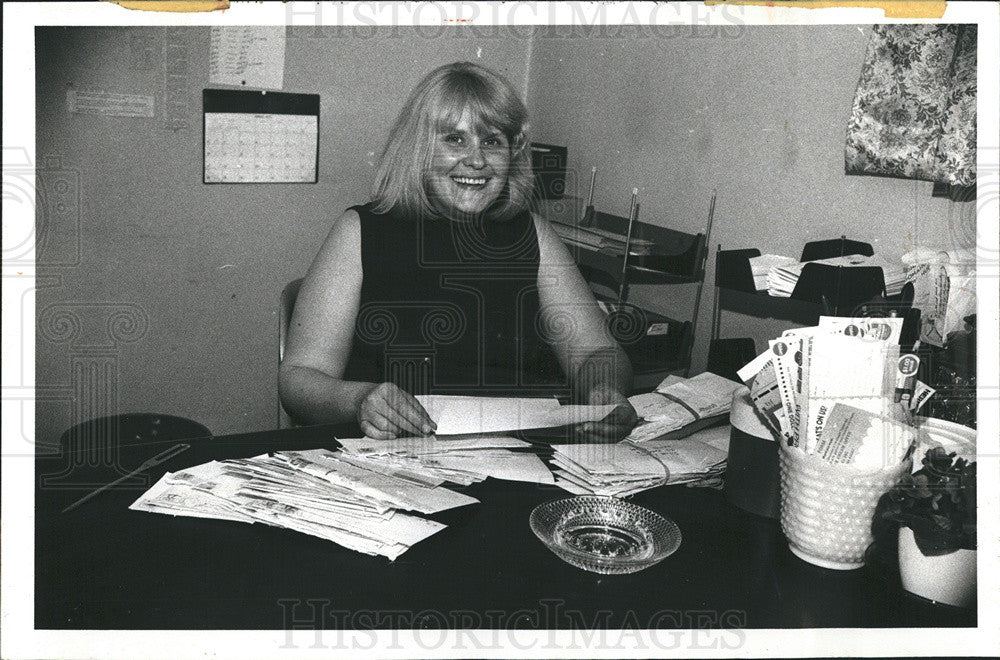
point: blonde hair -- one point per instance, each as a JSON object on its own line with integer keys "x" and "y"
{"x": 436, "y": 105}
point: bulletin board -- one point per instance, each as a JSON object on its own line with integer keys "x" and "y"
{"x": 260, "y": 137}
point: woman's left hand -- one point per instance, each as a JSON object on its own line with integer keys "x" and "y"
{"x": 616, "y": 425}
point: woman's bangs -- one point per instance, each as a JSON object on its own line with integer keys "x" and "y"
{"x": 485, "y": 113}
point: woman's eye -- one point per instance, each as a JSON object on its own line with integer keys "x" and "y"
{"x": 493, "y": 142}
{"x": 454, "y": 139}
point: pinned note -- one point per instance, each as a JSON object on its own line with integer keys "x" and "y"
{"x": 248, "y": 56}
{"x": 109, "y": 104}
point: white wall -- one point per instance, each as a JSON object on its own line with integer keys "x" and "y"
{"x": 757, "y": 113}
{"x": 202, "y": 265}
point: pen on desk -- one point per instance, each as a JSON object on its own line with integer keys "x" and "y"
{"x": 147, "y": 464}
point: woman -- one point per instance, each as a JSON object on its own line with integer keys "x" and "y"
{"x": 445, "y": 283}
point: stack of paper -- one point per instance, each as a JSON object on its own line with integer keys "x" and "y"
{"x": 626, "y": 468}
{"x": 781, "y": 280}
{"x": 761, "y": 266}
{"x": 461, "y": 459}
{"x": 316, "y": 492}
{"x": 838, "y": 390}
{"x": 620, "y": 469}
{"x": 895, "y": 278}
{"x": 678, "y": 402}
{"x": 601, "y": 239}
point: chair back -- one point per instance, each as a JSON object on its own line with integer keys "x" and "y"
{"x": 835, "y": 247}
{"x": 286, "y": 306}
{"x": 839, "y": 289}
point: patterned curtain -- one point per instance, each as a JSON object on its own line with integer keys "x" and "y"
{"x": 914, "y": 112}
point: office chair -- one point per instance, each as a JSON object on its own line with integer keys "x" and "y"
{"x": 286, "y": 305}
{"x": 732, "y": 274}
{"x": 136, "y": 427}
{"x": 837, "y": 289}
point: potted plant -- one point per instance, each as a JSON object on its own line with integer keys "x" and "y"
{"x": 934, "y": 511}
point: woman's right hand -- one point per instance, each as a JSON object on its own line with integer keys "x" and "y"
{"x": 388, "y": 412}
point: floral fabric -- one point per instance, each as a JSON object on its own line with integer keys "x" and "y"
{"x": 914, "y": 113}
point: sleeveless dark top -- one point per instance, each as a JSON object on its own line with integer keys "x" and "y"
{"x": 451, "y": 307}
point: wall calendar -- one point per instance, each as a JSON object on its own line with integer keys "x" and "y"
{"x": 260, "y": 137}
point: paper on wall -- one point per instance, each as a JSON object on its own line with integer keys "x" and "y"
{"x": 109, "y": 104}
{"x": 248, "y": 56}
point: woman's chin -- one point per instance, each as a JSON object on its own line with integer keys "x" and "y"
{"x": 466, "y": 208}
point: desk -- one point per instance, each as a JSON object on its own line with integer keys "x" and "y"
{"x": 103, "y": 566}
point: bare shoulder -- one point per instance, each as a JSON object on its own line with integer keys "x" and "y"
{"x": 343, "y": 242}
{"x": 346, "y": 226}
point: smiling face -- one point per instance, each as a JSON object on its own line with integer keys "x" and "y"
{"x": 468, "y": 168}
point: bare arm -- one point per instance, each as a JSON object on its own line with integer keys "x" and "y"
{"x": 320, "y": 334}
{"x": 598, "y": 368}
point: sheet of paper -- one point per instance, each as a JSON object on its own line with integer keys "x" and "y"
{"x": 686, "y": 456}
{"x": 430, "y": 445}
{"x": 109, "y": 104}
{"x": 883, "y": 329}
{"x": 401, "y": 494}
{"x": 839, "y": 368}
{"x": 310, "y": 492}
{"x": 399, "y": 467}
{"x": 655, "y": 429}
{"x": 568, "y": 483}
{"x": 717, "y": 436}
{"x": 653, "y": 407}
{"x": 857, "y": 437}
{"x": 173, "y": 499}
{"x": 570, "y": 415}
{"x": 760, "y": 376}
{"x": 471, "y": 415}
{"x": 788, "y": 372}
{"x": 247, "y": 55}
{"x": 260, "y": 148}
{"x": 507, "y": 465}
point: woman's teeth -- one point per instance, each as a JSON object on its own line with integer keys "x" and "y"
{"x": 469, "y": 181}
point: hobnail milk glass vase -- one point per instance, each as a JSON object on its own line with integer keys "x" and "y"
{"x": 827, "y": 509}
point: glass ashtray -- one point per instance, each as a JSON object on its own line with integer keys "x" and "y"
{"x": 605, "y": 534}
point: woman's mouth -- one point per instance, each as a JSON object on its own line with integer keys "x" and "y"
{"x": 470, "y": 181}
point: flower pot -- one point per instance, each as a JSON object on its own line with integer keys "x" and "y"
{"x": 949, "y": 578}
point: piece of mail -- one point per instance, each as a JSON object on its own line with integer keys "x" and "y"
{"x": 469, "y": 414}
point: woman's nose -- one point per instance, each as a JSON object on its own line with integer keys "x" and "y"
{"x": 474, "y": 156}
